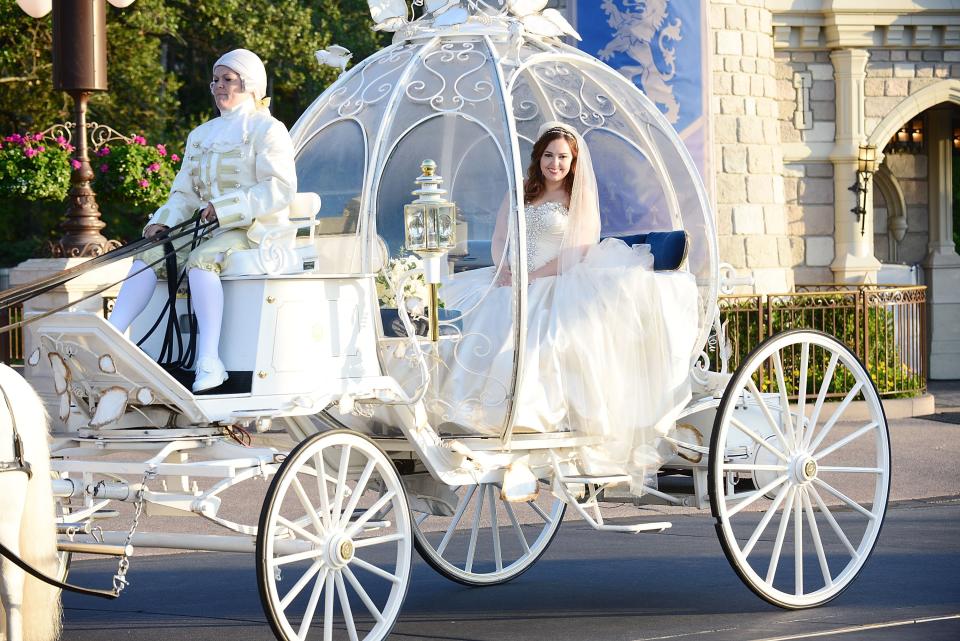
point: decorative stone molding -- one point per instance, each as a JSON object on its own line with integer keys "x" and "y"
{"x": 855, "y": 24}
{"x": 919, "y": 101}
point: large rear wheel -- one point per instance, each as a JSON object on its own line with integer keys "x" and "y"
{"x": 799, "y": 485}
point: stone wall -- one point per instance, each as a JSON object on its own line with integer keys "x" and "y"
{"x": 751, "y": 218}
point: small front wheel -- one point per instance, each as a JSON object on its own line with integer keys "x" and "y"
{"x": 335, "y": 542}
{"x": 799, "y": 485}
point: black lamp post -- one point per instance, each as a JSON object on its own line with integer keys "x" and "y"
{"x": 80, "y": 69}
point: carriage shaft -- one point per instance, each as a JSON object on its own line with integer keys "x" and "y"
{"x": 197, "y": 542}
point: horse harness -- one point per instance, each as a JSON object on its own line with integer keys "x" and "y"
{"x": 18, "y": 464}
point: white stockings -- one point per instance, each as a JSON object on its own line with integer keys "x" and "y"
{"x": 135, "y": 293}
{"x": 206, "y": 292}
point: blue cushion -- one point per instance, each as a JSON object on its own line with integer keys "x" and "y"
{"x": 669, "y": 248}
{"x": 393, "y": 326}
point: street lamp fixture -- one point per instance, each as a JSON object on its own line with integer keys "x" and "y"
{"x": 79, "y": 69}
{"x": 866, "y": 166}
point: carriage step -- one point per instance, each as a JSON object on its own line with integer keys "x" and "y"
{"x": 104, "y": 549}
{"x": 636, "y": 528}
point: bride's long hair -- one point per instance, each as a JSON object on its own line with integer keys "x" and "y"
{"x": 536, "y": 182}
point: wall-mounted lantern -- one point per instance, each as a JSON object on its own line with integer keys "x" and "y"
{"x": 866, "y": 166}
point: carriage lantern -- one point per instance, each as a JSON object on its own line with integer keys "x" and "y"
{"x": 430, "y": 231}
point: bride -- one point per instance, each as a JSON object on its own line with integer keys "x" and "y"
{"x": 608, "y": 343}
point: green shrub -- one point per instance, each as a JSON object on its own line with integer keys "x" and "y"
{"x": 131, "y": 180}
{"x": 836, "y": 314}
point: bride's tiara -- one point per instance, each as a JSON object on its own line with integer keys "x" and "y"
{"x": 559, "y": 130}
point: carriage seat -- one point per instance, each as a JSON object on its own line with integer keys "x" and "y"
{"x": 287, "y": 248}
{"x": 669, "y": 248}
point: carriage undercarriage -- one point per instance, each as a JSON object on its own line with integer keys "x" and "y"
{"x": 767, "y": 475}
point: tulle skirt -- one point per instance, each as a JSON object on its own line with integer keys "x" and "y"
{"x": 607, "y": 354}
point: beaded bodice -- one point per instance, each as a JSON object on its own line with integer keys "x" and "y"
{"x": 546, "y": 225}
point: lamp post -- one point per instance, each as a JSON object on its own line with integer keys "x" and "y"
{"x": 80, "y": 69}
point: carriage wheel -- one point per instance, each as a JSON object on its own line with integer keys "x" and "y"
{"x": 799, "y": 495}
{"x": 487, "y": 540}
{"x": 334, "y": 544}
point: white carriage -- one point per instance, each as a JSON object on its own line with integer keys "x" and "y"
{"x": 797, "y": 483}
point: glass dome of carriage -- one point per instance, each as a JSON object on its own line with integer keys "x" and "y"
{"x": 473, "y": 100}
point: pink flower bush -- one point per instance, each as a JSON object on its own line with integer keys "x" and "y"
{"x": 174, "y": 158}
{"x": 153, "y": 167}
{"x": 139, "y": 140}
{"x": 104, "y": 168}
{"x": 30, "y": 152}
{"x": 75, "y": 163}
{"x": 103, "y": 151}
{"x": 143, "y": 183}
{"x": 162, "y": 149}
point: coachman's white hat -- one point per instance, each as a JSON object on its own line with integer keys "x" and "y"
{"x": 250, "y": 68}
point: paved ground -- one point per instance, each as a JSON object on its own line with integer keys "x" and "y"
{"x": 588, "y": 586}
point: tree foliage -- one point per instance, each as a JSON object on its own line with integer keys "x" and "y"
{"x": 160, "y": 54}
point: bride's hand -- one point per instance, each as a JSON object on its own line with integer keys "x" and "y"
{"x": 505, "y": 278}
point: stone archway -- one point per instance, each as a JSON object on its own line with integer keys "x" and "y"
{"x": 945, "y": 91}
{"x": 942, "y": 263}
{"x": 896, "y": 209}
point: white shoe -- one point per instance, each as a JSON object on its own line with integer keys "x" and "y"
{"x": 210, "y": 373}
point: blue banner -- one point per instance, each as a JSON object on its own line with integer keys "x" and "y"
{"x": 661, "y": 45}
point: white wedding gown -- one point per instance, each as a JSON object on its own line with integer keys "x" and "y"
{"x": 607, "y": 351}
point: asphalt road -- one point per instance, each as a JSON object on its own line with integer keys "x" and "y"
{"x": 588, "y": 585}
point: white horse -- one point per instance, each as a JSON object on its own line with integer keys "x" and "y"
{"x": 30, "y": 608}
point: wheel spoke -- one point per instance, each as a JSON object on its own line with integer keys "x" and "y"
{"x": 778, "y": 543}
{"x": 293, "y": 558}
{"x": 516, "y": 527}
{"x": 785, "y": 415}
{"x": 850, "y": 470}
{"x": 543, "y": 515}
{"x": 358, "y": 491}
{"x": 328, "y": 609}
{"x": 815, "y": 537}
{"x": 372, "y": 569}
{"x": 300, "y": 584}
{"x": 307, "y": 505}
{"x": 495, "y": 529}
{"x": 762, "y": 442}
{"x": 845, "y": 440}
{"x": 474, "y": 529}
{"x": 821, "y": 397}
{"x": 837, "y": 413}
{"x": 378, "y": 540}
{"x": 756, "y": 495}
{"x": 366, "y": 516}
{"x": 341, "y": 484}
{"x": 345, "y": 607}
{"x": 420, "y": 519}
{"x": 461, "y": 508}
{"x": 833, "y": 523}
{"x": 846, "y": 499}
{"x": 367, "y": 602}
{"x": 765, "y": 521}
{"x": 767, "y": 415}
{"x": 797, "y": 544}
{"x": 802, "y": 390}
{"x": 322, "y": 487}
{"x": 752, "y": 467}
{"x": 287, "y": 523}
{"x": 312, "y": 605}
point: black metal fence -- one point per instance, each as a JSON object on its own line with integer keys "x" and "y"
{"x": 885, "y": 326}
